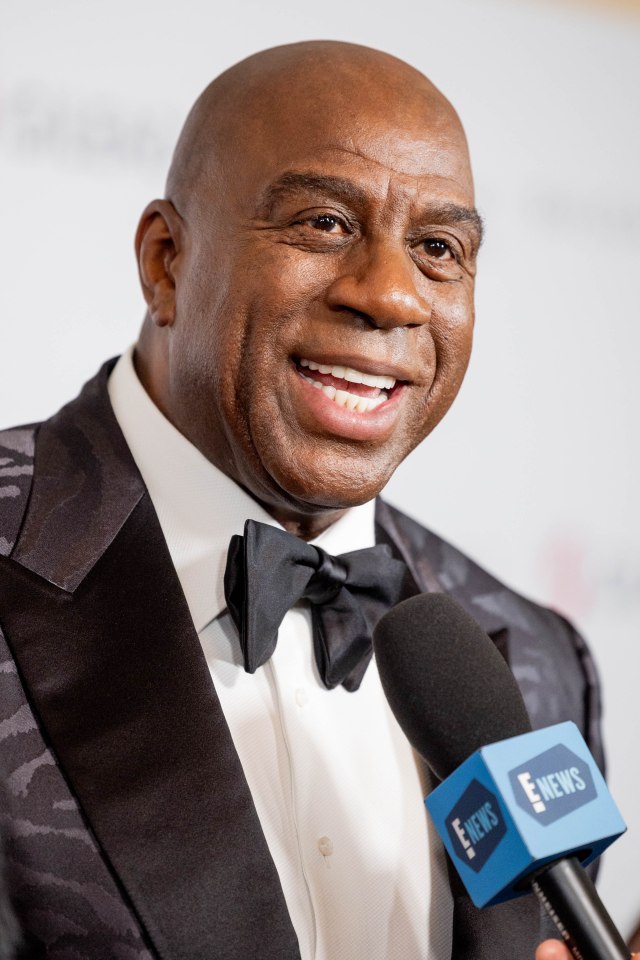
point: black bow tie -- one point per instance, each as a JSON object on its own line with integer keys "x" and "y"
{"x": 268, "y": 570}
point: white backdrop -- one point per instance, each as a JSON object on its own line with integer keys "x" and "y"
{"x": 536, "y": 469}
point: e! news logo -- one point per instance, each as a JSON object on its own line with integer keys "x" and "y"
{"x": 476, "y": 826}
{"x": 553, "y": 784}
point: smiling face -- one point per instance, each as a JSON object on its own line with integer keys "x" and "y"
{"x": 315, "y": 310}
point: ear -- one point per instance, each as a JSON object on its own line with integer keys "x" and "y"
{"x": 158, "y": 245}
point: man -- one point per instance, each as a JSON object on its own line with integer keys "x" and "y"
{"x": 309, "y": 285}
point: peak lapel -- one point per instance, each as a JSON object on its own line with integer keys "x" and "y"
{"x": 102, "y": 634}
{"x": 84, "y": 487}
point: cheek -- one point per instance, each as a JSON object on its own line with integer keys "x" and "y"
{"x": 452, "y": 331}
{"x": 201, "y": 305}
{"x": 265, "y": 317}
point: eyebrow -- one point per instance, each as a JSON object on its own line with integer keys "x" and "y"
{"x": 455, "y": 213}
{"x": 291, "y": 182}
{"x": 344, "y": 189}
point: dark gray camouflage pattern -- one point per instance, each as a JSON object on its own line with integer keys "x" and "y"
{"x": 16, "y": 471}
{"x": 63, "y": 892}
{"x": 9, "y": 929}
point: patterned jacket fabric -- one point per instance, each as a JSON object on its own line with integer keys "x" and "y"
{"x": 129, "y": 828}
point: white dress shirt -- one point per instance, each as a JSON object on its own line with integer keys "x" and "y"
{"x": 335, "y": 783}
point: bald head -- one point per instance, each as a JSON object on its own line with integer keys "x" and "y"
{"x": 289, "y": 86}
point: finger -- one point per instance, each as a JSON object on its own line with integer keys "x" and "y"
{"x": 556, "y": 950}
{"x": 552, "y": 950}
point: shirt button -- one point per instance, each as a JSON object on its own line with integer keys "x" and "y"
{"x": 301, "y": 697}
{"x": 325, "y": 846}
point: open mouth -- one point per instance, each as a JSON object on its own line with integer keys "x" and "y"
{"x": 353, "y": 389}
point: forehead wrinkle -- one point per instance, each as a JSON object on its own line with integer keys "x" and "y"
{"x": 407, "y": 146}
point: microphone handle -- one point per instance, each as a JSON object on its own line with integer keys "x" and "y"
{"x": 569, "y": 896}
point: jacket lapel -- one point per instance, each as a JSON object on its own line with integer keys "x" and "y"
{"x": 104, "y": 640}
{"x": 548, "y": 658}
{"x": 84, "y": 487}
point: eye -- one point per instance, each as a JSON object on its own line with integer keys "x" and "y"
{"x": 439, "y": 249}
{"x": 439, "y": 257}
{"x": 327, "y": 223}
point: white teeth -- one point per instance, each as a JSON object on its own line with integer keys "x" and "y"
{"x": 385, "y": 383}
{"x": 320, "y": 367}
{"x": 381, "y": 381}
{"x": 349, "y": 400}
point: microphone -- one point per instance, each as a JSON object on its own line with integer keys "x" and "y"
{"x": 518, "y": 810}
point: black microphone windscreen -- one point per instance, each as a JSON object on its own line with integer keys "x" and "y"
{"x": 450, "y": 689}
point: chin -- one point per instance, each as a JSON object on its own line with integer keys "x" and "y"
{"x": 308, "y": 474}
{"x": 333, "y": 488}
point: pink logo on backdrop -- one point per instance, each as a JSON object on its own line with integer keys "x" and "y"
{"x": 570, "y": 587}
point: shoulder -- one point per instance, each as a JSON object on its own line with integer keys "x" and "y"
{"x": 437, "y": 564}
{"x": 549, "y": 658}
{"x": 17, "y": 451}
{"x": 77, "y": 477}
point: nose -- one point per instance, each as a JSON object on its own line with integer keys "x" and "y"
{"x": 380, "y": 283}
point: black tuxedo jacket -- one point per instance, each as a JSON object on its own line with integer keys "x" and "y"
{"x": 130, "y": 831}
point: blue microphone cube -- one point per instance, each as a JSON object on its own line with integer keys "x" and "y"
{"x": 518, "y": 804}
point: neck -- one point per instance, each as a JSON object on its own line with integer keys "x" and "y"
{"x": 307, "y": 527}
